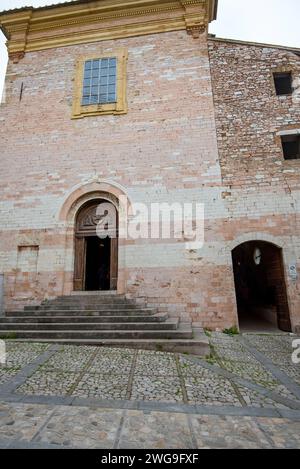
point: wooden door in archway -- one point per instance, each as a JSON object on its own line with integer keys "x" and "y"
{"x": 96, "y": 259}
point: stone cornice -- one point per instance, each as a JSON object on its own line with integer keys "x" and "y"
{"x": 32, "y": 29}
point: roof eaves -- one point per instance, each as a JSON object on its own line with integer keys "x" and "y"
{"x": 295, "y": 50}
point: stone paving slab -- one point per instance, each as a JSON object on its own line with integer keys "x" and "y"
{"x": 44, "y": 426}
{"x": 103, "y": 386}
{"x": 66, "y": 362}
{"x": 107, "y": 363}
{"x": 21, "y": 422}
{"x": 6, "y": 374}
{"x": 81, "y": 428}
{"x": 247, "y": 383}
{"x": 156, "y": 388}
{"x": 255, "y": 399}
{"x": 49, "y": 383}
{"x": 212, "y": 390}
{"x": 155, "y": 430}
{"x": 225, "y": 432}
{"x": 293, "y": 371}
{"x": 283, "y": 433}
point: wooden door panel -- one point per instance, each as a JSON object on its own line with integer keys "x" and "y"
{"x": 79, "y": 270}
{"x": 113, "y": 263}
{"x": 276, "y": 279}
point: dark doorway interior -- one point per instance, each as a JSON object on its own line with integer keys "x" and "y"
{"x": 97, "y": 264}
{"x": 260, "y": 287}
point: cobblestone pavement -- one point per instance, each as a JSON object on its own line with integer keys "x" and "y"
{"x": 246, "y": 394}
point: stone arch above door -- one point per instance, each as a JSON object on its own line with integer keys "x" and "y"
{"x": 95, "y": 190}
{"x": 257, "y": 236}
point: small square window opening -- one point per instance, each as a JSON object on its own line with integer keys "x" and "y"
{"x": 291, "y": 147}
{"x": 283, "y": 83}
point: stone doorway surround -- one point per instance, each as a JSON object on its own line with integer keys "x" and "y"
{"x": 74, "y": 200}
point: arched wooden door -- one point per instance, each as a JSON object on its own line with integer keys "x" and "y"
{"x": 96, "y": 260}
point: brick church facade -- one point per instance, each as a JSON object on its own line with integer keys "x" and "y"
{"x": 186, "y": 118}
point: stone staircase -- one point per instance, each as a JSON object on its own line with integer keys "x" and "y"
{"x": 102, "y": 319}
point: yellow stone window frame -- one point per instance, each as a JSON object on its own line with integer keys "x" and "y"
{"x": 120, "y": 106}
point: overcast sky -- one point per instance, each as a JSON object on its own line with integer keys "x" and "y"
{"x": 269, "y": 21}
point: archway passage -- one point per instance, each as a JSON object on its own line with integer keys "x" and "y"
{"x": 96, "y": 259}
{"x": 260, "y": 287}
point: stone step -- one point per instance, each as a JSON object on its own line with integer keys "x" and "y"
{"x": 83, "y": 307}
{"x": 61, "y": 305}
{"x": 160, "y": 317}
{"x": 80, "y": 312}
{"x": 198, "y": 345}
{"x": 168, "y": 325}
{"x": 89, "y": 300}
{"x": 180, "y": 333}
{"x": 93, "y": 294}
{"x": 88, "y": 306}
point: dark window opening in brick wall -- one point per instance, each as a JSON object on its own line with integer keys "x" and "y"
{"x": 291, "y": 147}
{"x": 283, "y": 83}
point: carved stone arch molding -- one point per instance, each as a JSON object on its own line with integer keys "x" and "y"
{"x": 91, "y": 197}
{"x": 83, "y": 193}
{"x": 87, "y": 217}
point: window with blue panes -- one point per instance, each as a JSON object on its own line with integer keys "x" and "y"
{"x": 100, "y": 81}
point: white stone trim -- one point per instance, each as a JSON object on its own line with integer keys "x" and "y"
{"x": 283, "y": 133}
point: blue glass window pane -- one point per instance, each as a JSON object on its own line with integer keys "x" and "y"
{"x": 96, "y": 64}
{"x": 99, "y": 84}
